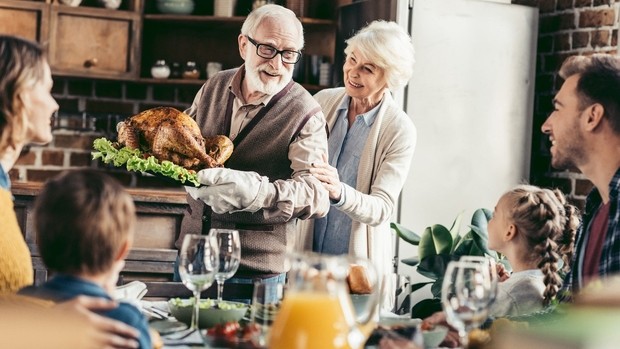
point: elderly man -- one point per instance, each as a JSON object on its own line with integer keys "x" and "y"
{"x": 584, "y": 130}
{"x": 278, "y": 131}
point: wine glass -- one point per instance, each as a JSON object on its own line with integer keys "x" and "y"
{"x": 198, "y": 265}
{"x": 491, "y": 264}
{"x": 466, "y": 295}
{"x": 229, "y": 249}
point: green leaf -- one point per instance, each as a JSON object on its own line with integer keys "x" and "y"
{"x": 456, "y": 225}
{"x": 419, "y": 285}
{"x": 413, "y": 261}
{"x": 481, "y": 218}
{"x": 134, "y": 160}
{"x": 436, "y": 239}
{"x": 405, "y": 233}
{"x": 465, "y": 247}
{"x": 433, "y": 267}
{"x": 436, "y": 287}
{"x": 456, "y": 242}
{"x": 481, "y": 239}
{"x": 426, "y": 308}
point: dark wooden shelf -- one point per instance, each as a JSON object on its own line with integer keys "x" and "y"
{"x": 309, "y": 87}
{"x": 94, "y": 11}
{"x": 225, "y": 20}
{"x": 191, "y": 18}
{"x": 171, "y": 81}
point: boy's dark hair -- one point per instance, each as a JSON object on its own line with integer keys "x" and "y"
{"x": 82, "y": 220}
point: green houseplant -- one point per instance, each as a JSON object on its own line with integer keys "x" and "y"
{"x": 437, "y": 246}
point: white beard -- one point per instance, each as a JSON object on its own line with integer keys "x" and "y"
{"x": 270, "y": 87}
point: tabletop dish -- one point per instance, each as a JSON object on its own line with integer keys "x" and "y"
{"x": 133, "y": 160}
{"x": 433, "y": 337}
{"x": 211, "y": 312}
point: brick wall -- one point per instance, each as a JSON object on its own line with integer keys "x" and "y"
{"x": 567, "y": 27}
{"x": 90, "y": 109}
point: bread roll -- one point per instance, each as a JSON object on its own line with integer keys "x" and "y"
{"x": 358, "y": 280}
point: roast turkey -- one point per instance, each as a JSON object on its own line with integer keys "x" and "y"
{"x": 169, "y": 134}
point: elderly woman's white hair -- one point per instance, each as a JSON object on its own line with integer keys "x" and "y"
{"x": 275, "y": 12}
{"x": 389, "y": 47}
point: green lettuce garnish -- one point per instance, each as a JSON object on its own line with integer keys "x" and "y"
{"x": 135, "y": 161}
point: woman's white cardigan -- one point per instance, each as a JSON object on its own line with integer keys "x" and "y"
{"x": 383, "y": 168}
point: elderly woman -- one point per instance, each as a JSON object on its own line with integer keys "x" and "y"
{"x": 371, "y": 143}
{"x": 26, "y": 109}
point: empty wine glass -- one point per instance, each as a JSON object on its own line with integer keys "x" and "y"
{"x": 197, "y": 267}
{"x": 491, "y": 264}
{"x": 465, "y": 296}
{"x": 229, "y": 249}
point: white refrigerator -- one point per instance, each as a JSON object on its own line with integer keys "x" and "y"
{"x": 471, "y": 98}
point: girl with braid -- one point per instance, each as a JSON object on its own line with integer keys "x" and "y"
{"x": 534, "y": 228}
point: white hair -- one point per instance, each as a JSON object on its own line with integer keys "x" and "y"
{"x": 274, "y": 12}
{"x": 389, "y": 47}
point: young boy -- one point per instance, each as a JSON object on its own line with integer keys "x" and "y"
{"x": 85, "y": 222}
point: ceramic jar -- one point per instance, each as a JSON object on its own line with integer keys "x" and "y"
{"x": 73, "y": 3}
{"x": 191, "y": 71}
{"x": 160, "y": 70}
{"x": 110, "y": 4}
{"x": 178, "y": 7}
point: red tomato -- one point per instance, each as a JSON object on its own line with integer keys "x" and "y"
{"x": 228, "y": 330}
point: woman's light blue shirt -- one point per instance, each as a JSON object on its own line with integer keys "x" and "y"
{"x": 331, "y": 233}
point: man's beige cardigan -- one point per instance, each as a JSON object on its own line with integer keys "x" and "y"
{"x": 383, "y": 169}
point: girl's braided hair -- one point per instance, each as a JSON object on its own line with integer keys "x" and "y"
{"x": 548, "y": 224}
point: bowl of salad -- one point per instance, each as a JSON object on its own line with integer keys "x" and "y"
{"x": 211, "y": 312}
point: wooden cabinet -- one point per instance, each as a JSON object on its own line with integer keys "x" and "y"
{"x": 90, "y": 41}
{"x": 28, "y": 19}
{"x": 87, "y": 41}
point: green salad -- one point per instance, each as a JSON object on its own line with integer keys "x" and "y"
{"x": 207, "y": 303}
{"x": 134, "y": 160}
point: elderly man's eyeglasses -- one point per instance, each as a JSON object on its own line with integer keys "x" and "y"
{"x": 268, "y": 52}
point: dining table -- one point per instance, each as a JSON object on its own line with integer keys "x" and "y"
{"x": 176, "y": 335}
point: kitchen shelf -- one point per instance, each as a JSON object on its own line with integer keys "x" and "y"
{"x": 171, "y": 81}
{"x": 190, "y": 18}
{"x": 94, "y": 42}
{"x": 180, "y": 82}
{"x": 224, "y": 20}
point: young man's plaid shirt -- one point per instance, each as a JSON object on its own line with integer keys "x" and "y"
{"x": 610, "y": 256}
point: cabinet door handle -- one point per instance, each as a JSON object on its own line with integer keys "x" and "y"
{"x": 91, "y": 62}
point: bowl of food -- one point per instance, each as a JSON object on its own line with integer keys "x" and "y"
{"x": 211, "y": 312}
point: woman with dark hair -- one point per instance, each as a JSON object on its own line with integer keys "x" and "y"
{"x": 26, "y": 109}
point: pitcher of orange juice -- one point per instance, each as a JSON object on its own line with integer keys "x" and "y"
{"x": 317, "y": 312}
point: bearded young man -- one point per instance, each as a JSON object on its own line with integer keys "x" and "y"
{"x": 584, "y": 130}
{"x": 278, "y": 130}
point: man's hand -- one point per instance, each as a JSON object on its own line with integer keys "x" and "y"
{"x": 227, "y": 190}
